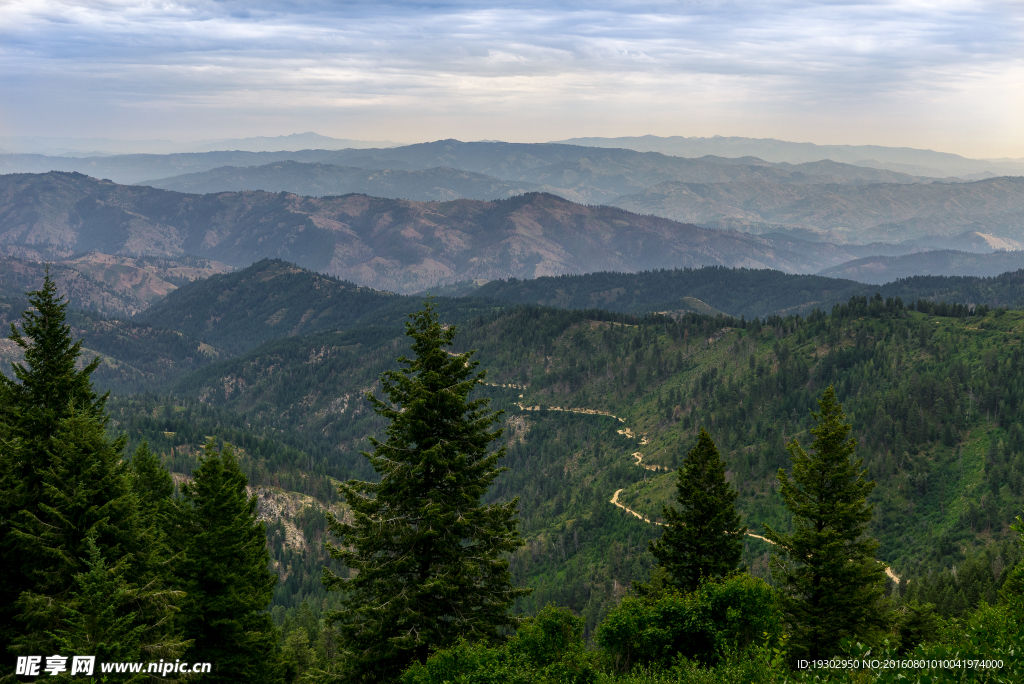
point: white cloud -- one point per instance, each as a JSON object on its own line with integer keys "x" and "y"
{"x": 848, "y": 71}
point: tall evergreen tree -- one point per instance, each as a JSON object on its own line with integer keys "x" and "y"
{"x": 45, "y": 391}
{"x": 832, "y": 586}
{"x": 66, "y": 493}
{"x": 704, "y": 537}
{"x": 428, "y": 556}
{"x": 225, "y": 574}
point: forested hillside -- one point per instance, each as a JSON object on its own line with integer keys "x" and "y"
{"x": 931, "y": 395}
{"x": 740, "y": 291}
{"x": 600, "y": 409}
{"x": 883, "y": 269}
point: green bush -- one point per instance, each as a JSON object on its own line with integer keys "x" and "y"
{"x": 547, "y": 649}
{"x": 719, "y": 618}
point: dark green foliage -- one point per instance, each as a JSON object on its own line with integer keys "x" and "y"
{"x": 547, "y": 649}
{"x": 265, "y": 301}
{"x": 917, "y": 624}
{"x": 86, "y": 500}
{"x": 746, "y": 292}
{"x": 81, "y": 568}
{"x": 703, "y": 539}
{"x": 224, "y": 574}
{"x": 1012, "y": 591}
{"x": 915, "y": 383}
{"x": 831, "y": 584}
{"x": 150, "y": 480}
{"x": 103, "y": 616}
{"x": 429, "y": 555}
{"x": 736, "y": 291}
{"x": 962, "y": 588}
{"x": 718, "y": 619}
{"x": 65, "y": 492}
{"x": 48, "y": 387}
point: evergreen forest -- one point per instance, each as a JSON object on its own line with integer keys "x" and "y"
{"x": 296, "y": 479}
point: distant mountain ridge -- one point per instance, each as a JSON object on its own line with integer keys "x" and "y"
{"x": 743, "y": 292}
{"x": 55, "y": 145}
{"x": 822, "y": 200}
{"x": 387, "y": 244}
{"x": 904, "y": 159}
{"x": 596, "y": 173}
{"x": 883, "y": 269}
{"x": 878, "y": 212}
{"x": 439, "y": 184}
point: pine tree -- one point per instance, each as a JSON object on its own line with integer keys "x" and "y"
{"x": 151, "y": 482}
{"x": 703, "y": 539}
{"x": 225, "y": 574}
{"x": 65, "y": 491}
{"x": 428, "y": 556}
{"x": 832, "y": 586}
{"x": 45, "y": 391}
{"x": 101, "y": 618}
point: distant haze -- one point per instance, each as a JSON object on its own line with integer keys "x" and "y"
{"x": 85, "y": 147}
{"x": 947, "y": 76}
{"x": 903, "y": 159}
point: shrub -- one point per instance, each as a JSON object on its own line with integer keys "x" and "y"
{"x": 719, "y": 618}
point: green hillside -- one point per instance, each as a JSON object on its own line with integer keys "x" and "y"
{"x": 742, "y": 291}
{"x": 600, "y": 408}
{"x": 933, "y": 399}
{"x": 137, "y": 357}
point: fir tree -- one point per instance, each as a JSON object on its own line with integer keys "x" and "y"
{"x": 102, "y": 616}
{"x": 45, "y": 391}
{"x": 429, "y": 557}
{"x": 832, "y": 586}
{"x": 150, "y": 480}
{"x": 703, "y": 539}
{"x": 66, "y": 491}
{"x": 225, "y": 574}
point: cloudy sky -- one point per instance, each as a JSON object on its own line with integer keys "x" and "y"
{"x": 942, "y": 74}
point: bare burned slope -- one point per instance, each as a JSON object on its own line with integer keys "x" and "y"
{"x": 384, "y": 243}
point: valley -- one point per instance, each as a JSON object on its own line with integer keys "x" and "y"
{"x": 932, "y": 395}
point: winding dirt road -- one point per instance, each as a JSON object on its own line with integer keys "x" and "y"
{"x": 627, "y": 432}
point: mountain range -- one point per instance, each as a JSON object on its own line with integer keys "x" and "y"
{"x": 905, "y": 159}
{"x": 819, "y": 200}
{"x": 746, "y": 197}
{"x": 104, "y": 283}
{"x": 398, "y": 245}
{"x": 408, "y": 246}
{"x": 877, "y": 212}
{"x": 438, "y": 184}
{"x": 595, "y": 173}
{"x": 885, "y": 269}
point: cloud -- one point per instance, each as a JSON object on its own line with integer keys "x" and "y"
{"x": 513, "y": 70}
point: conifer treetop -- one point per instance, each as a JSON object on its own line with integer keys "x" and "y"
{"x": 48, "y": 384}
{"x": 832, "y": 586}
{"x": 703, "y": 538}
{"x": 430, "y": 559}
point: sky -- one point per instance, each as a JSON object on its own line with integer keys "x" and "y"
{"x": 944, "y": 75}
